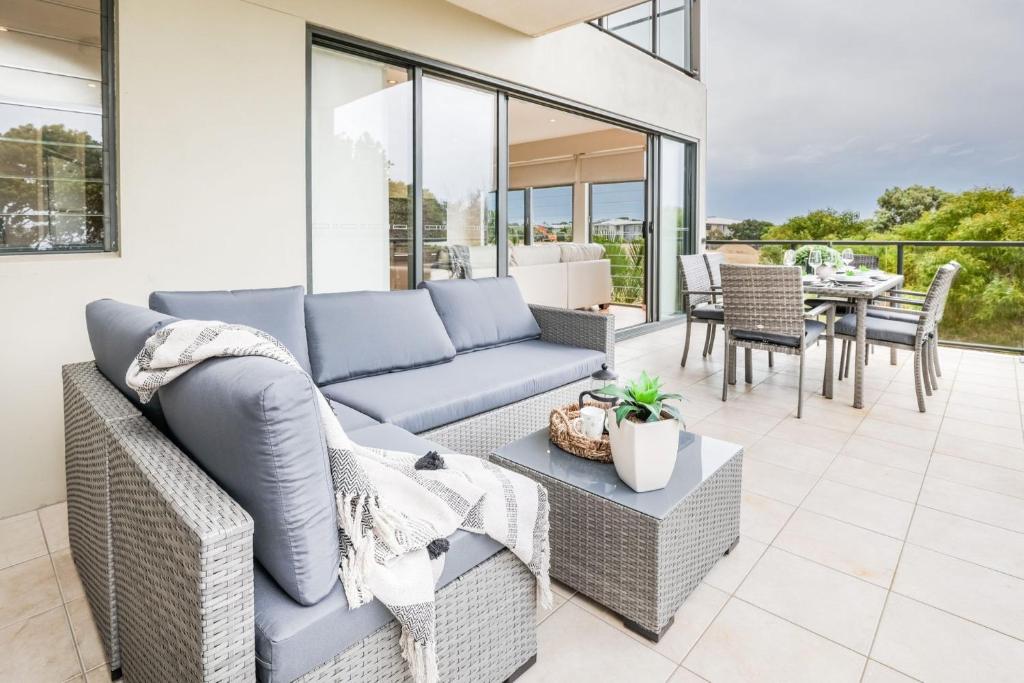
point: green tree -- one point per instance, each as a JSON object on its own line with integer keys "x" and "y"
{"x": 750, "y": 229}
{"x": 823, "y": 224}
{"x": 904, "y": 205}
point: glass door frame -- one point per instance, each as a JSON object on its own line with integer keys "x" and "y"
{"x": 420, "y": 66}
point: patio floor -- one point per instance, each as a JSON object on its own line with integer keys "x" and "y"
{"x": 879, "y": 544}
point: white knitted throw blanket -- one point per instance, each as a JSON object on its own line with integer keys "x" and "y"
{"x": 395, "y": 509}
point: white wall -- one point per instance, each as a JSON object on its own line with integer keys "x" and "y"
{"x": 212, "y": 170}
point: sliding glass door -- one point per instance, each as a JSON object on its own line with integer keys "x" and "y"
{"x": 675, "y": 222}
{"x": 618, "y": 221}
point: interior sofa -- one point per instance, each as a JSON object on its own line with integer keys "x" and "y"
{"x": 564, "y": 275}
{"x": 202, "y": 523}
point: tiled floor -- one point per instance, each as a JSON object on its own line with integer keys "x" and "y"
{"x": 879, "y": 544}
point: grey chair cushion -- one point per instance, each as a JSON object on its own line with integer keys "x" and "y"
{"x": 813, "y": 330}
{"x": 253, "y": 425}
{"x": 357, "y": 334}
{"x": 709, "y": 312}
{"x": 879, "y": 329}
{"x": 895, "y": 314}
{"x": 482, "y": 313}
{"x": 278, "y": 312}
{"x": 473, "y": 383}
{"x": 117, "y": 333}
{"x": 350, "y": 418}
{"x": 292, "y": 639}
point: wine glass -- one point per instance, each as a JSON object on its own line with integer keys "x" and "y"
{"x": 847, "y": 257}
{"x": 789, "y": 258}
{"x": 814, "y": 261}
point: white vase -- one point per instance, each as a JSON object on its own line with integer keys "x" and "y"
{"x": 644, "y": 453}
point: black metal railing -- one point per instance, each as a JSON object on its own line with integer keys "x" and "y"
{"x": 995, "y": 326}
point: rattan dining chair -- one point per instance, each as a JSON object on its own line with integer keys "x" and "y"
{"x": 714, "y": 260}
{"x": 698, "y": 301}
{"x": 764, "y": 310}
{"x": 914, "y": 330}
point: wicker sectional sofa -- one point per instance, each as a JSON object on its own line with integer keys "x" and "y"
{"x": 187, "y": 581}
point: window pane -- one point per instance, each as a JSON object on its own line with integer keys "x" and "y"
{"x": 59, "y": 20}
{"x": 632, "y": 24}
{"x": 674, "y": 32}
{"x": 459, "y": 171}
{"x": 517, "y": 216}
{"x": 617, "y": 221}
{"x": 551, "y": 214}
{"x": 674, "y": 227}
{"x": 361, "y": 157}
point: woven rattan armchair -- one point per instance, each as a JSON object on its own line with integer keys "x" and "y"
{"x": 713, "y": 261}
{"x": 698, "y": 301}
{"x": 913, "y": 330}
{"x": 764, "y": 310}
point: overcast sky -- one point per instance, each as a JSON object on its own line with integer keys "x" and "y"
{"x": 823, "y": 103}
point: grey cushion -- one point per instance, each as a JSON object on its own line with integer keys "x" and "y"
{"x": 292, "y": 639}
{"x": 350, "y": 418}
{"x": 709, "y": 312}
{"x": 813, "y": 330}
{"x": 278, "y": 312}
{"x": 117, "y": 333}
{"x": 356, "y": 334}
{"x": 879, "y": 329}
{"x": 252, "y": 423}
{"x": 895, "y": 314}
{"x": 482, "y": 313}
{"x": 424, "y": 398}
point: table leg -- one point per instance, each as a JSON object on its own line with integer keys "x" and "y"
{"x": 858, "y": 372}
{"x": 830, "y": 331}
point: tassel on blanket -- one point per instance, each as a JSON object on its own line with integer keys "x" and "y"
{"x": 437, "y": 548}
{"x": 421, "y": 657}
{"x": 430, "y": 461}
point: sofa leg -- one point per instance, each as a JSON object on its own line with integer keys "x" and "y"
{"x": 521, "y": 670}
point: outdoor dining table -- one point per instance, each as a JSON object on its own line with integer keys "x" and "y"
{"x": 861, "y": 295}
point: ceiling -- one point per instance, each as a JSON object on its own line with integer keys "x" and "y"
{"x": 537, "y": 17}
{"x": 528, "y": 122}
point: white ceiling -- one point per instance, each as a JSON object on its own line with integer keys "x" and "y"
{"x": 528, "y": 122}
{"x": 537, "y": 17}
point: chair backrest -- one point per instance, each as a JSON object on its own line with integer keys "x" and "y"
{"x": 866, "y": 260}
{"x": 938, "y": 291}
{"x": 763, "y": 299}
{"x": 694, "y": 278}
{"x": 941, "y": 310}
{"x": 713, "y": 261}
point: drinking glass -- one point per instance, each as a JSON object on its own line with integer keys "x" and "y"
{"x": 814, "y": 260}
{"x": 789, "y": 258}
{"x": 847, "y": 256}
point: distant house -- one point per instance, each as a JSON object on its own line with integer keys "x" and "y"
{"x": 719, "y": 228}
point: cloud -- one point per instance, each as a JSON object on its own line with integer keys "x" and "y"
{"x": 816, "y": 104}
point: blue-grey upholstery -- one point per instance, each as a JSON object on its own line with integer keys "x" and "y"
{"x": 350, "y": 418}
{"x": 117, "y": 333}
{"x": 482, "y": 313}
{"x": 424, "y": 398}
{"x": 357, "y": 334}
{"x": 253, "y": 424}
{"x": 292, "y": 639}
{"x": 813, "y": 330}
{"x": 894, "y": 314}
{"x": 879, "y": 329}
{"x": 709, "y": 312}
{"x": 277, "y": 311}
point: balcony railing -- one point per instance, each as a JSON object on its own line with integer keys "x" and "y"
{"x": 986, "y": 306}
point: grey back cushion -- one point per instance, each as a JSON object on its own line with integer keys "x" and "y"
{"x": 117, "y": 333}
{"x": 482, "y": 313}
{"x": 277, "y": 311}
{"x": 252, "y": 423}
{"x": 356, "y": 334}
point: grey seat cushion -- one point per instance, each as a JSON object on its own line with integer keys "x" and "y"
{"x": 812, "y": 329}
{"x": 357, "y": 334}
{"x": 292, "y": 639}
{"x": 473, "y": 383}
{"x": 253, "y": 424}
{"x": 350, "y": 418}
{"x": 482, "y": 313}
{"x": 879, "y": 329}
{"x": 709, "y": 312}
{"x": 277, "y": 311}
{"x": 117, "y": 333}
{"x": 895, "y": 314}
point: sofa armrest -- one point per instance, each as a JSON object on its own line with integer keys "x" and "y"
{"x": 183, "y": 563}
{"x": 582, "y": 329}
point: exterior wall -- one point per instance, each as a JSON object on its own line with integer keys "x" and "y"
{"x": 212, "y": 192}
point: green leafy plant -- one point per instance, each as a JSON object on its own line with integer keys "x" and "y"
{"x": 642, "y": 400}
{"x": 829, "y": 256}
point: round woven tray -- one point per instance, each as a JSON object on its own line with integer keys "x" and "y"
{"x": 563, "y": 435}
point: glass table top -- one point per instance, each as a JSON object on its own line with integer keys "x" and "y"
{"x": 699, "y": 457}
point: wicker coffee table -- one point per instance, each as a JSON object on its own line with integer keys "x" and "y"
{"x": 638, "y": 554}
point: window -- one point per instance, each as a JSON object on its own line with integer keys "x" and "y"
{"x": 551, "y": 214}
{"x": 55, "y": 128}
{"x": 675, "y": 229}
{"x": 617, "y": 214}
{"x": 665, "y": 28}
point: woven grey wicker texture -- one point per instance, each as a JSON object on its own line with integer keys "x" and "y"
{"x": 763, "y": 299}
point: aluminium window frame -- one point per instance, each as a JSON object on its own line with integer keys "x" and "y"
{"x": 692, "y": 26}
{"x": 109, "y": 128}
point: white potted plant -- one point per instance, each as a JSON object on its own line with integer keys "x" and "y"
{"x": 644, "y": 435}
